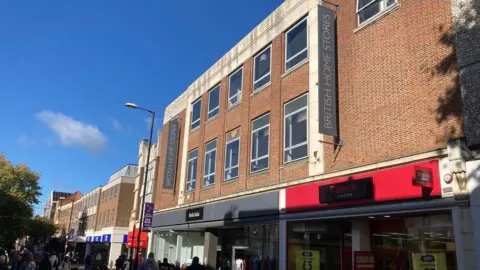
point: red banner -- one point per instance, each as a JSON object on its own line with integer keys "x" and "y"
{"x": 364, "y": 260}
{"x": 132, "y": 239}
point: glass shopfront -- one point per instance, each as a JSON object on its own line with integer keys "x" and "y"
{"x": 248, "y": 248}
{"x": 396, "y": 242}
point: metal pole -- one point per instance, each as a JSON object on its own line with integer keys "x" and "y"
{"x": 144, "y": 190}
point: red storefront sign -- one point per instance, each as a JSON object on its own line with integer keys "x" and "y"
{"x": 392, "y": 184}
{"x": 132, "y": 239}
{"x": 364, "y": 260}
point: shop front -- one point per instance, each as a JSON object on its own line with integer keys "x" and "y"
{"x": 105, "y": 248}
{"x": 392, "y": 219}
{"x": 243, "y": 231}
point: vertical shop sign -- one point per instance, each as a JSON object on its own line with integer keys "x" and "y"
{"x": 327, "y": 72}
{"x": 171, "y": 154}
{"x": 429, "y": 261}
{"x": 307, "y": 260}
{"x": 364, "y": 260}
{"x": 148, "y": 216}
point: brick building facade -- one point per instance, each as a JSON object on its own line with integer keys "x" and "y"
{"x": 249, "y": 128}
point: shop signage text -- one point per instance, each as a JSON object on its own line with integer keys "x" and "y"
{"x": 423, "y": 177}
{"x": 171, "y": 155}
{"x": 194, "y": 214}
{"x": 327, "y": 72}
{"x": 107, "y": 238}
{"x": 97, "y": 238}
{"x": 148, "y": 216}
{"x": 344, "y": 191}
{"x": 364, "y": 260}
{"x": 89, "y": 238}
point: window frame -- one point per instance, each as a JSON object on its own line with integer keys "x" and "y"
{"x": 225, "y": 160}
{"x": 269, "y": 71}
{"x": 230, "y": 105}
{"x": 297, "y": 54}
{"x": 383, "y": 7}
{"x": 251, "y": 143}
{"x": 217, "y": 87}
{"x": 285, "y": 128}
{"x": 205, "y": 160}
{"x": 188, "y": 168}
{"x": 200, "y": 115}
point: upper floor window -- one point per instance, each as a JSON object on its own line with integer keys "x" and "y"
{"x": 296, "y": 129}
{"x": 367, "y": 9}
{"x": 261, "y": 68}
{"x": 213, "y": 102}
{"x": 196, "y": 112}
{"x": 192, "y": 170}
{"x": 209, "y": 163}
{"x": 296, "y": 48}
{"x": 232, "y": 153}
{"x": 150, "y": 180}
{"x": 235, "y": 88}
{"x": 260, "y": 143}
{"x": 116, "y": 190}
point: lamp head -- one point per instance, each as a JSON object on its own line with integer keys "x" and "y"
{"x": 131, "y": 105}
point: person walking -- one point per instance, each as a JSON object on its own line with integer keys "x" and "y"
{"x": 15, "y": 260}
{"x": 88, "y": 262}
{"x": 45, "y": 263}
{"x": 149, "y": 263}
{"x": 30, "y": 262}
{"x": 196, "y": 265}
{"x": 65, "y": 265}
{"x": 3, "y": 262}
{"x": 53, "y": 261}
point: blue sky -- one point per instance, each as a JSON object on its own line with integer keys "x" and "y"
{"x": 67, "y": 68}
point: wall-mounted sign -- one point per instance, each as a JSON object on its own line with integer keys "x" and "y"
{"x": 423, "y": 177}
{"x": 345, "y": 191}
{"x": 171, "y": 154}
{"x": 89, "y": 238}
{"x": 327, "y": 72}
{"x": 97, "y": 238}
{"x": 307, "y": 259}
{"x": 107, "y": 238}
{"x": 148, "y": 216}
{"x": 125, "y": 238}
{"x": 430, "y": 261}
{"x": 194, "y": 214}
{"x": 364, "y": 260}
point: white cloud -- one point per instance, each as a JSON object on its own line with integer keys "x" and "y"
{"x": 72, "y": 132}
{"x": 26, "y": 141}
{"x": 116, "y": 125}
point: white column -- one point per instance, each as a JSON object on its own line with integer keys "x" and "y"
{"x": 283, "y": 249}
{"x": 210, "y": 250}
{"x": 464, "y": 238}
{"x": 115, "y": 251}
{"x": 361, "y": 238}
{"x": 88, "y": 249}
{"x": 473, "y": 184}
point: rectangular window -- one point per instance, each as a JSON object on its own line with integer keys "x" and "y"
{"x": 196, "y": 112}
{"x": 112, "y": 217}
{"x": 296, "y": 48}
{"x": 116, "y": 190}
{"x": 260, "y": 143}
{"x": 296, "y": 129}
{"x": 150, "y": 179}
{"x": 192, "y": 170}
{"x": 209, "y": 163}
{"x": 235, "y": 88}
{"x": 232, "y": 154}
{"x": 366, "y": 9}
{"x": 213, "y": 101}
{"x": 261, "y": 68}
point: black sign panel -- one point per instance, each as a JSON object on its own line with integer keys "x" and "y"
{"x": 171, "y": 154}
{"x": 194, "y": 214}
{"x": 327, "y": 72}
{"x": 345, "y": 191}
{"x": 423, "y": 177}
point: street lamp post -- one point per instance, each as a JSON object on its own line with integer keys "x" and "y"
{"x": 135, "y": 106}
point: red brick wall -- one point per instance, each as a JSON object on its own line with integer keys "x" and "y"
{"x": 391, "y": 88}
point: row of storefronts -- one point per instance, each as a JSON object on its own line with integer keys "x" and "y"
{"x": 394, "y": 218}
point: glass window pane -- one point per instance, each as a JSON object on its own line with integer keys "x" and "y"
{"x": 260, "y": 143}
{"x": 261, "y": 82}
{"x": 362, "y": 3}
{"x": 259, "y": 164}
{"x": 296, "y": 126}
{"x": 235, "y": 89}
{"x": 296, "y": 153}
{"x": 262, "y": 68}
{"x": 296, "y": 43}
{"x": 213, "y": 101}
{"x": 232, "y": 173}
{"x": 196, "y": 111}
{"x": 261, "y": 121}
{"x": 231, "y": 159}
{"x": 211, "y": 145}
{"x": 296, "y": 104}
{"x": 369, "y": 12}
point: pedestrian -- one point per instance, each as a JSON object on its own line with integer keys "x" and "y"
{"x": 45, "y": 263}
{"x": 65, "y": 265}
{"x": 3, "y": 262}
{"x": 196, "y": 265}
{"x": 149, "y": 263}
{"x": 53, "y": 261}
{"x": 126, "y": 265}
{"x": 30, "y": 262}
{"x": 15, "y": 260}
{"x": 119, "y": 263}
{"x": 165, "y": 265}
{"x": 88, "y": 262}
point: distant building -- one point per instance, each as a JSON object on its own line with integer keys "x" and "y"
{"x": 50, "y": 206}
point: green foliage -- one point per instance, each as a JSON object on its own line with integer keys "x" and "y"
{"x": 19, "y": 181}
{"x": 14, "y": 213}
{"x": 39, "y": 229}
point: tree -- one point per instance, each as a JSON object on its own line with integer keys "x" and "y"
{"x": 19, "y": 181}
{"x": 39, "y": 229}
{"x": 14, "y": 213}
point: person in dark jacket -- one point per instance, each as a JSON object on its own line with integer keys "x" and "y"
{"x": 45, "y": 263}
{"x": 196, "y": 264}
